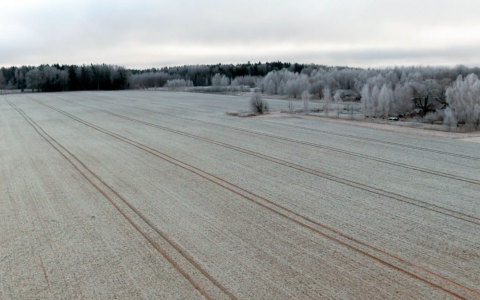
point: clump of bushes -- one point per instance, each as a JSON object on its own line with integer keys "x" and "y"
{"x": 258, "y": 104}
{"x": 432, "y": 117}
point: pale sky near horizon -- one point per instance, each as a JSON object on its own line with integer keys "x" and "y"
{"x": 145, "y": 34}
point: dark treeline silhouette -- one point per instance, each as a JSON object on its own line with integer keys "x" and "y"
{"x": 56, "y": 77}
{"x": 51, "y": 78}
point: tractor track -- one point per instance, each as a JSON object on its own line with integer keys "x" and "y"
{"x": 336, "y": 150}
{"x": 292, "y": 216}
{"x": 383, "y": 142}
{"x": 315, "y": 172}
{"x": 172, "y": 243}
{"x": 309, "y": 129}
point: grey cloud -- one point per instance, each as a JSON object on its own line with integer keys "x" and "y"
{"x": 90, "y": 31}
{"x": 356, "y": 58}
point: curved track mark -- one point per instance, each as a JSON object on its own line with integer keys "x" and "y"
{"x": 312, "y": 129}
{"x": 136, "y": 226}
{"x": 378, "y": 191}
{"x": 284, "y": 214}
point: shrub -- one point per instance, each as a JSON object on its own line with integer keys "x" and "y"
{"x": 432, "y": 117}
{"x": 257, "y": 104}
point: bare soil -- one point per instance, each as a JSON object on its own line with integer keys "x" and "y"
{"x": 161, "y": 195}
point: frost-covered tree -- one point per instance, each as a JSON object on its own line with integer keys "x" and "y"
{"x": 327, "y": 98}
{"x": 385, "y": 101}
{"x": 243, "y": 81}
{"x": 258, "y": 104}
{"x": 449, "y": 119}
{"x": 34, "y": 79}
{"x": 54, "y": 79}
{"x": 476, "y": 116}
{"x": 220, "y": 80}
{"x": 305, "y": 101}
{"x": 302, "y": 83}
{"x": 374, "y": 100}
{"x": 271, "y": 88}
{"x": 337, "y": 98}
{"x": 259, "y": 84}
{"x": 296, "y": 85}
{"x": 317, "y": 82}
{"x": 225, "y": 81}
{"x": 149, "y": 79}
{"x": 178, "y": 84}
{"x": 463, "y": 98}
{"x": 365, "y": 102}
{"x": 402, "y": 100}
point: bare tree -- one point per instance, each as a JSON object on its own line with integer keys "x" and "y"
{"x": 290, "y": 107}
{"x": 424, "y": 95}
{"x": 442, "y": 92}
{"x": 350, "y": 109}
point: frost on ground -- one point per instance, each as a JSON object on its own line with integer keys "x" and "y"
{"x": 161, "y": 195}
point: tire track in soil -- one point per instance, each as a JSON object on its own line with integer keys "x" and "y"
{"x": 315, "y": 172}
{"x": 382, "y": 142}
{"x": 305, "y": 128}
{"x": 333, "y": 149}
{"x": 44, "y": 271}
{"x": 286, "y": 213}
{"x": 124, "y": 214}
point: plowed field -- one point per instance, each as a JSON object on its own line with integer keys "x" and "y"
{"x": 161, "y": 195}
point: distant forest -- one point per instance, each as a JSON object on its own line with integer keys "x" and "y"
{"x": 52, "y": 78}
{"x": 282, "y": 78}
{"x": 435, "y": 93}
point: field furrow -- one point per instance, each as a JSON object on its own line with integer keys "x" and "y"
{"x": 160, "y": 195}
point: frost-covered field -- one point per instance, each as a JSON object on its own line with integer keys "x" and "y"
{"x": 161, "y": 195}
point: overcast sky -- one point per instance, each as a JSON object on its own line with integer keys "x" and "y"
{"x": 144, "y": 34}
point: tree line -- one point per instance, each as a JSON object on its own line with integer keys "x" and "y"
{"x": 380, "y": 92}
{"x": 56, "y": 77}
{"x": 49, "y": 78}
{"x": 444, "y": 94}
{"x": 204, "y": 75}
{"x": 451, "y": 95}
